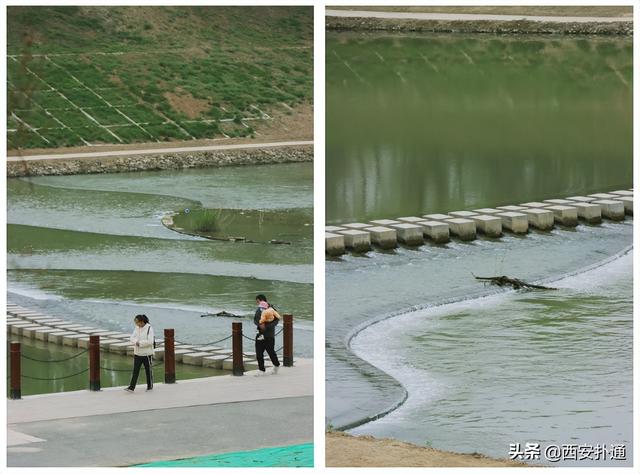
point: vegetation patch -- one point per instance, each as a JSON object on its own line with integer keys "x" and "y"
{"x": 157, "y": 65}
{"x": 282, "y": 226}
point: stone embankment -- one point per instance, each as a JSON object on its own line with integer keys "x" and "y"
{"x": 509, "y": 27}
{"x": 159, "y": 161}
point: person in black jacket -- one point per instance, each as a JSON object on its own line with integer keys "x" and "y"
{"x": 265, "y": 337}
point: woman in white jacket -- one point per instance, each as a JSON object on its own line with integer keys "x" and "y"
{"x": 142, "y": 338}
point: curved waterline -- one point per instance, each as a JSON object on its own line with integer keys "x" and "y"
{"x": 440, "y": 304}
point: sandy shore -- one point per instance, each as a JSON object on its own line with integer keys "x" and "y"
{"x": 343, "y": 450}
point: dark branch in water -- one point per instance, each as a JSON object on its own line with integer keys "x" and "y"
{"x": 221, "y": 314}
{"x": 513, "y": 282}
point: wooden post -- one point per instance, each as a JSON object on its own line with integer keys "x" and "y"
{"x": 236, "y": 333}
{"x": 94, "y": 363}
{"x": 169, "y": 357}
{"x": 16, "y": 387}
{"x": 287, "y": 340}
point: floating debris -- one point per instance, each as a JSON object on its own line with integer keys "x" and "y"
{"x": 513, "y": 282}
{"x": 221, "y": 314}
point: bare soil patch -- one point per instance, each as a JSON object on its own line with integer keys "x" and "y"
{"x": 183, "y": 102}
{"x": 343, "y": 450}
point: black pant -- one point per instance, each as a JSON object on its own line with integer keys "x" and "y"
{"x": 137, "y": 362}
{"x": 266, "y": 344}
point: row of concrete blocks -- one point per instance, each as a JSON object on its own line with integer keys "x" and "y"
{"x": 465, "y": 225}
{"x": 33, "y": 325}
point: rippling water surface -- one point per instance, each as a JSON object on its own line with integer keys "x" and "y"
{"x": 553, "y": 367}
{"x": 92, "y": 249}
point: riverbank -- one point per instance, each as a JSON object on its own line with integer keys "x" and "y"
{"x": 343, "y": 20}
{"x": 154, "y": 160}
{"x": 343, "y": 450}
{"x": 187, "y": 419}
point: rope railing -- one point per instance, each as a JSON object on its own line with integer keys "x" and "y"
{"x": 55, "y": 378}
{"x": 203, "y": 343}
{"x": 95, "y": 368}
{"x": 51, "y": 361}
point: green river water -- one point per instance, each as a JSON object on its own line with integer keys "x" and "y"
{"x": 92, "y": 249}
{"x": 420, "y": 123}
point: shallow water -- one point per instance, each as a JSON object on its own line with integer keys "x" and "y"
{"x": 552, "y": 367}
{"x": 396, "y": 283}
{"x": 92, "y": 249}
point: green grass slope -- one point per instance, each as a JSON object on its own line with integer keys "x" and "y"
{"x": 82, "y": 76}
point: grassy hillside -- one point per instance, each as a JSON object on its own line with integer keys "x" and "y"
{"x": 95, "y": 75}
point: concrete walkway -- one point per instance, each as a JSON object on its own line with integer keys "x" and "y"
{"x": 191, "y": 418}
{"x": 157, "y": 151}
{"x": 470, "y": 17}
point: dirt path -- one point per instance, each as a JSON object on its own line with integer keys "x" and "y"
{"x": 470, "y": 17}
{"x": 343, "y": 450}
{"x": 148, "y": 151}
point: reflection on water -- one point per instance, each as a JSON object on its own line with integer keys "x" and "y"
{"x": 427, "y": 123}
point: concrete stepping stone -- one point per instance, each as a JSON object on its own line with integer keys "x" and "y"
{"x": 611, "y": 209}
{"x": 540, "y": 218}
{"x": 463, "y": 214}
{"x": 383, "y": 222}
{"x": 194, "y": 358}
{"x": 43, "y": 334}
{"x": 105, "y": 343}
{"x": 228, "y": 364}
{"x": 491, "y": 226}
{"x": 213, "y": 361}
{"x": 464, "y": 229}
{"x": 582, "y": 198}
{"x": 334, "y": 244}
{"x": 180, "y": 352}
{"x": 535, "y": 204}
{"x": 627, "y": 201}
{"x": 560, "y": 202}
{"x": 30, "y": 331}
{"x": 487, "y": 211}
{"x": 71, "y": 340}
{"x": 383, "y": 237}
{"x": 357, "y": 225}
{"x": 516, "y": 222}
{"x": 16, "y": 329}
{"x": 408, "y": 234}
{"x": 588, "y": 211}
{"x": 59, "y": 323}
{"x": 511, "y": 208}
{"x": 56, "y": 337}
{"x": 437, "y": 231}
{"x": 211, "y": 348}
{"x": 333, "y": 229}
{"x": 119, "y": 347}
{"x": 602, "y": 196}
{"x": 623, "y": 192}
{"x": 565, "y": 215}
{"x": 436, "y": 217}
{"x": 356, "y": 240}
{"x": 411, "y": 219}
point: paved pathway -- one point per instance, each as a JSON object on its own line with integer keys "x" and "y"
{"x": 155, "y": 151}
{"x": 191, "y": 418}
{"x": 471, "y": 17}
